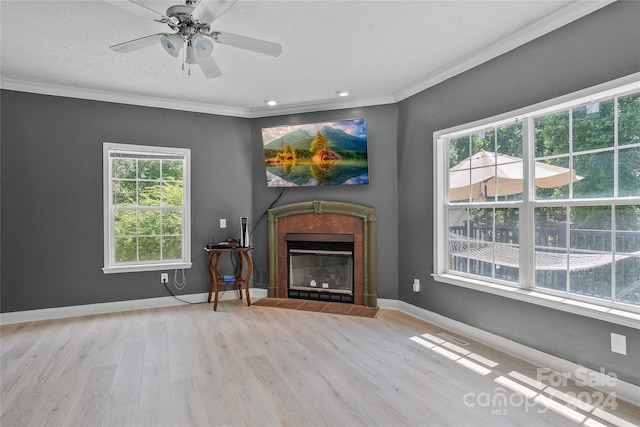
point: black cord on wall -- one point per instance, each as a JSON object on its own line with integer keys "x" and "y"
{"x": 253, "y": 227}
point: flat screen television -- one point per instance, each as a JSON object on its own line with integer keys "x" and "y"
{"x": 316, "y": 154}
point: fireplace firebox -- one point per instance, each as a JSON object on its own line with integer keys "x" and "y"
{"x": 320, "y": 266}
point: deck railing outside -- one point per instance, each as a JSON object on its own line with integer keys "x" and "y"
{"x": 595, "y": 282}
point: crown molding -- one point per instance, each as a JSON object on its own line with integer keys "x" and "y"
{"x": 120, "y": 98}
{"x": 551, "y": 22}
{"x": 320, "y": 106}
{"x": 573, "y": 11}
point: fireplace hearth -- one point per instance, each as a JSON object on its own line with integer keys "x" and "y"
{"x": 320, "y": 266}
{"x": 328, "y": 240}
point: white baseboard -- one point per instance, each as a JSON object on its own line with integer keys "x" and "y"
{"x": 624, "y": 390}
{"x": 114, "y": 307}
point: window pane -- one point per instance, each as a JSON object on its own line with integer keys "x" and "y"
{"x": 593, "y": 126}
{"x": 124, "y": 193}
{"x": 629, "y": 119}
{"x": 628, "y": 229}
{"x": 125, "y": 223}
{"x": 458, "y": 239}
{"x": 149, "y": 248}
{"x": 172, "y": 170}
{"x": 628, "y": 280}
{"x": 597, "y": 169}
{"x": 481, "y": 242}
{"x": 627, "y": 267}
{"x": 172, "y": 247}
{"x": 459, "y": 174}
{"x": 484, "y": 242}
{"x": 629, "y": 172}
{"x": 552, "y": 178}
{"x": 591, "y": 228}
{"x": 126, "y": 250}
{"x": 551, "y": 235}
{"x": 590, "y": 253}
{"x": 149, "y": 169}
{"x": 172, "y": 194}
{"x": 510, "y": 165}
{"x": 148, "y": 193}
{"x": 483, "y": 140}
{"x": 551, "y": 134}
{"x": 458, "y": 150}
{"x": 483, "y": 162}
{"x": 506, "y": 238}
{"x": 149, "y": 223}
{"x": 124, "y": 168}
{"x": 171, "y": 222}
{"x": 594, "y": 282}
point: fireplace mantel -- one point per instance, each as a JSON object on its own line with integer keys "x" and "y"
{"x": 325, "y": 217}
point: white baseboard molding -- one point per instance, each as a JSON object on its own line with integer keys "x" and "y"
{"x": 623, "y": 390}
{"x": 114, "y": 307}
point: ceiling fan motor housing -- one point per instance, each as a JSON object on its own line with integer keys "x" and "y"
{"x": 180, "y": 20}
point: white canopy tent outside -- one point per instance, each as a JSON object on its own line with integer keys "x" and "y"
{"x": 489, "y": 174}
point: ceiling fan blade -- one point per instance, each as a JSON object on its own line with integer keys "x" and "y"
{"x": 209, "y": 67}
{"x": 139, "y": 9}
{"x": 137, "y": 44}
{"x": 248, "y": 43}
{"x": 207, "y": 11}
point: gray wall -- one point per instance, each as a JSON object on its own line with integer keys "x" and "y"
{"x": 380, "y": 193}
{"x": 52, "y": 230}
{"x": 600, "y": 47}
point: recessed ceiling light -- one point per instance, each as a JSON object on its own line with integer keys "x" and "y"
{"x": 271, "y": 102}
{"x": 343, "y": 93}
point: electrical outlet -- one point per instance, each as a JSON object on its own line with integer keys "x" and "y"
{"x": 223, "y": 223}
{"x": 619, "y": 343}
{"x": 416, "y": 285}
{"x": 164, "y": 277}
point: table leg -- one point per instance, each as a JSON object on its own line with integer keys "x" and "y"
{"x": 248, "y": 276}
{"x": 240, "y": 272}
{"x": 209, "y": 270}
{"x": 216, "y": 280}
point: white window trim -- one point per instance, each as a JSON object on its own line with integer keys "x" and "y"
{"x": 618, "y": 314}
{"x": 109, "y": 265}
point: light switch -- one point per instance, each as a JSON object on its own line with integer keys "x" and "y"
{"x": 223, "y": 223}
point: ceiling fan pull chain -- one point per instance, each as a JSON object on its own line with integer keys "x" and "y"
{"x": 184, "y": 54}
{"x": 189, "y": 57}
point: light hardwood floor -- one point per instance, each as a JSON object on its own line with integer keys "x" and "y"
{"x": 263, "y": 366}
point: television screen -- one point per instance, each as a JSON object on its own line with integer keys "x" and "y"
{"x": 316, "y": 154}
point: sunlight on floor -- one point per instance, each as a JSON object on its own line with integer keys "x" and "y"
{"x": 577, "y": 408}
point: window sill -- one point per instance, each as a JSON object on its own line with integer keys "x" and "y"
{"x": 146, "y": 267}
{"x": 616, "y": 316}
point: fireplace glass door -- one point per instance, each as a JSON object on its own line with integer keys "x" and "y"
{"x": 321, "y": 270}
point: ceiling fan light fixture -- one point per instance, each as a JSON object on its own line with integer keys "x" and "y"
{"x": 172, "y": 43}
{"x": 202, "y": 47}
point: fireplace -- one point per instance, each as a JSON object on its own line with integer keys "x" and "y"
{"x": 320, "y": 266}
{"x": 321, "y": 224}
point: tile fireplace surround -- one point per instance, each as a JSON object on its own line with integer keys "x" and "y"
{"x": 325, "y": 217}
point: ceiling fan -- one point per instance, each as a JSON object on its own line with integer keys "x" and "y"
{"x": 191, "y": 23}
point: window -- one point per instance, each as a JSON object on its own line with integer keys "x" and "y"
{"x": 146, "y": 208}
{"x": 546, "y": 201}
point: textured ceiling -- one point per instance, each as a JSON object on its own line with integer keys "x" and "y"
{"x": 380, "y": 51}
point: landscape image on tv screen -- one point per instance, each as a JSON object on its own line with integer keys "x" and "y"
{"x": 316, "y": 154}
